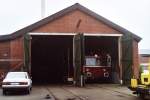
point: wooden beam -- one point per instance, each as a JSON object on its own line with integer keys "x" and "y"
{"x": 119, "y": 59}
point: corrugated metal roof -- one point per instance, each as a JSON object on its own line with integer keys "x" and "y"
{"x": 63, "y": 12}
{"x": 144, "y": 51}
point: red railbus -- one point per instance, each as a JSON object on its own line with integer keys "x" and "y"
{"x": 97, "y": 69}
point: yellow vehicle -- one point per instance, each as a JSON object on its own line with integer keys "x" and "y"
{"x": 141, "y": 87}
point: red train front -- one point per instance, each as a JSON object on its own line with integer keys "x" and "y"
{"x": 97, "y": 69}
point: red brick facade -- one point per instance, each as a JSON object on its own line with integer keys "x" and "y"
{"x": 11, "y": 54}
{"x": 17, "y": 54}
{"x": 68, "y": 24}
{"x": 65, "y": 24}
{"x": 4, "y": 54}
{"x": 144, "y": 59}
{"x": 135, "y": 59}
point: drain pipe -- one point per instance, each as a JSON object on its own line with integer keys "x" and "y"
{"x": 81, "y": 80}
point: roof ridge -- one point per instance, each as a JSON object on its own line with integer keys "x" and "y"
{"x": 62, "y": 13}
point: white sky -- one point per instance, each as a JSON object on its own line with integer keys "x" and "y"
{"x": 134, "y": 15}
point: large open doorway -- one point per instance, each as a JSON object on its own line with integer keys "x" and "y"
{"x": 51, "y": 58}
{"x": 98, "y": 50}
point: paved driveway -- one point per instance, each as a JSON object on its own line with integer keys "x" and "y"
{"x": 68, "y": 92}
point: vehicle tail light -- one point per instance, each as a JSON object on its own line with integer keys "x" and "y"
{"x": 6, "y": 83}
{"x": 104, "y": 70}
{"x": 87, "y": 69}
{"x": 83, "y": 69}
{"x": 23, "y": 83}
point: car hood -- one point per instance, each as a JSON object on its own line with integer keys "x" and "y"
{"x": 16, "y": 80}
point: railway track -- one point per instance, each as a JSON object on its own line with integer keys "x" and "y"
{"x": 110, "y": 89}
{"x": 87, "y": 93}
{"x": 61, "y": 93}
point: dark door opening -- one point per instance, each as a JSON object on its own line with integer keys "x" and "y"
{"x": 97, "y": 49}
{"x": 51, "y": 58}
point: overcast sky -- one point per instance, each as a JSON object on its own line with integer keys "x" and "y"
{"x": 133, "y": 15}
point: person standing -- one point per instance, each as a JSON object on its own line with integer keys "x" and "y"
{"x": 108, "y": 60}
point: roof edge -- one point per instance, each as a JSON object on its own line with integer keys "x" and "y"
{"x": 52, "y": 17}
{"x": 108, "y": 22}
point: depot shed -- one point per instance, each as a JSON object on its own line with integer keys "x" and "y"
{"x": 45, "y": 49}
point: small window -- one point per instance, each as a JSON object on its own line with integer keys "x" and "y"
{"x": 92, "y": 61}
{"x": 145, "y": 79}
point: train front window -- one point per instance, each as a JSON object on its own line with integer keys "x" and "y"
{"x": 92, "y": 61}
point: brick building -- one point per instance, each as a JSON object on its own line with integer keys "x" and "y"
{"x": 49, "y": 42}
{"x": 144, "y": 55}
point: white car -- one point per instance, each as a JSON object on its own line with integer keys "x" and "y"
{"x": 17, "y": 81}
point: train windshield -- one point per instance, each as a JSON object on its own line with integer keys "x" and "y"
{"x": 92, "y": 61}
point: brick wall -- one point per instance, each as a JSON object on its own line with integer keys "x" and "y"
{"x": 17, "y": 55}
{"x": 135, "y": 59}
{"x": 88, "y": 24}
{"x": 144, "y": 59}
{"x": 11, "y": 54}
{"x": 69, "y": 22}
{"x": 4, "y": 54}
{"x": 65, "y": 24}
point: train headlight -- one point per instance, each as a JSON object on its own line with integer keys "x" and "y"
{"x": 89, "y": 74}
{"x": 87, "y": 70}
{"x": 104, "y": 70}
{"x": 106, "y": 74}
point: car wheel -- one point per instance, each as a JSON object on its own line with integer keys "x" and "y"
{"x": 4, "y": 92}
{"x": 28, "y": 91}
{"x": 142, "y": 96}
{"x": 30, "y": 88}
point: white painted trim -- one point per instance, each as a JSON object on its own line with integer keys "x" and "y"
{"x": 99, "y": 34}
{"x": 97, "y": 66}
{"x": 1, "y": 60}
{"x": 51, "y": 33}
{"x": 85, "y": 34}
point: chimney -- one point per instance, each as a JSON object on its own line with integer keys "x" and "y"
{"x": 42, "y": 9}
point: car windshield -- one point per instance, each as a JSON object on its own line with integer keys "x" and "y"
{"x": 16, "y": 75}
